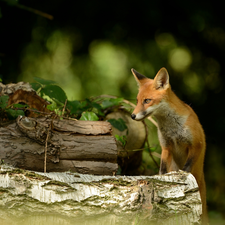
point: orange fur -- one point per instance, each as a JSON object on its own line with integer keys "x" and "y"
{"x": 181, "y": 136}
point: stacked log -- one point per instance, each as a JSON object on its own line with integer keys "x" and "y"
{"x": 79, "y": 146}
{"x": 53, "y": 145}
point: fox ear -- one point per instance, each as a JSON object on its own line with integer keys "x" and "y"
{"x": 161, "y": 80}
{"x": 138, "y": 77}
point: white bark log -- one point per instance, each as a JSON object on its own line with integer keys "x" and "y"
{"x": 72, "y": 198}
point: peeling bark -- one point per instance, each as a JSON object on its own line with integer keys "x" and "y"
{"x": 72, "y": 198}
{"x": 23, "y": 93}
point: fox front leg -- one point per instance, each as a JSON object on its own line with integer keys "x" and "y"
{"x": 165, "y": 159}
{"x": 194, "y": 159}
{"x": 188, "y": 165}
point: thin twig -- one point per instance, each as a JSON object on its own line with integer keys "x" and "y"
{"x": 146, "y": 139}
{"x": 46, "y": 15}
{"x": 64, "y": 107}
{"x": 51, "y": 113}
{"x": 36, "y": 111}
{"x": 46, "y": 148}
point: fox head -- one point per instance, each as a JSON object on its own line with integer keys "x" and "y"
{"x": 152, "y": 93}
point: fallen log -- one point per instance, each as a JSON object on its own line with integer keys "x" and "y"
{"x": 72, "y": 198}
{"x": 79, "y": 146}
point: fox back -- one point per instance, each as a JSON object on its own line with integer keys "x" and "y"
{"x": 180, "y": 133}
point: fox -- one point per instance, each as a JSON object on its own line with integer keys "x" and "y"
{"x": 180, "y": 133}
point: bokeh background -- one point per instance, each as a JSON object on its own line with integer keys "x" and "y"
{"x": 88, "y": 48}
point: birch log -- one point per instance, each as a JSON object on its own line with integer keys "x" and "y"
{"x": 71, "y": 198}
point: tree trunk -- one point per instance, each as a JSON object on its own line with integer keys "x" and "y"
{"x": 71, "y": 198}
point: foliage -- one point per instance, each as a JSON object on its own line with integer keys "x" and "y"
{"x": 87, "y": 109}
{"x": 83, "y": 110}
{"x": 111, "y": 102}
{"x": 89, "y": 116}
{"x": 122, "y": 139}
{"x": 118, "y": 123}
{"x": 50, "y": 89}
{"x": 12, "y": 111}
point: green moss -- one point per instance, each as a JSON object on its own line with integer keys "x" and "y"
{"x": 113, "y": 188}
{"x": 60, "y": 184}
{"x": 16, "y": 171}
{"x": 4, "y": 190}
{"x": 26, "y": 173}
{"x": 118, "y": 182}
{"x": 36, "y": 176}
{"x": 3, "y": 172}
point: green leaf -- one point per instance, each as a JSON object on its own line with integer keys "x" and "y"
{"x": 0, "y": 78}
{"x": 52, "y": 106}
{"x": 84, "y": 104}
{"x": 19, "y": 105}
{"x": 4, "y": 101}
{"x": 98, "y": 107}
{"x": 118, "y": 124}
{"x": 74, "y": 107}
{"x": 89, "y": 116}
{"x": 152, "y": 149}
{"x": 13, "y": 114}
{"x": 35, "y": 86}
{"x": 107, "y": 104}
{"x": 111, "y": 102}
{"x": 121, "y": 139}
{"x": 55, "y": 92}
{"x": 77, "y": 107}
{"x": 43, "y": 81}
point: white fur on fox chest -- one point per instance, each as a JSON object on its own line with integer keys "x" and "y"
{"x": 171, "y": 129}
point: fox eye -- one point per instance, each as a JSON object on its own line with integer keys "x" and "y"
{"x": 146, "y": 101}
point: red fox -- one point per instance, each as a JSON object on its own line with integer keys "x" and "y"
{"x": 180, "y": 133}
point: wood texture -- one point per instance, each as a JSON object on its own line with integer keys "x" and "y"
{"x": 89, "y": 147}
{"x": 81, "y": 146}
{"x": 82, "y": 127}
{"x": 73, "y": 198}
{"x": 86, "y": 167}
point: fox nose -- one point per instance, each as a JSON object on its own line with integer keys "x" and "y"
{"x": 133, "y": 116}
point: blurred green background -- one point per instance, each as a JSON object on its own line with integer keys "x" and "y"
{"x": 88, "y": 48}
